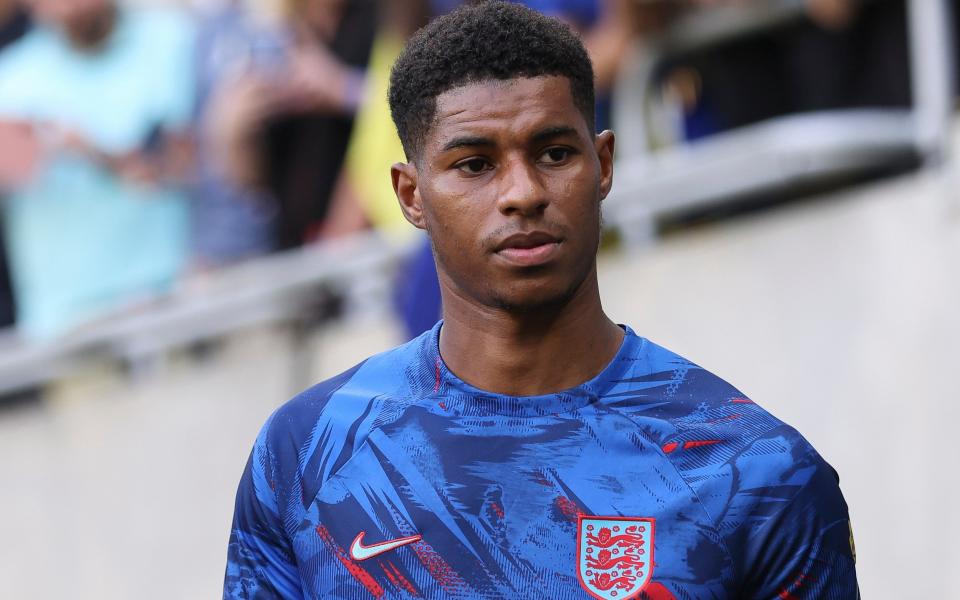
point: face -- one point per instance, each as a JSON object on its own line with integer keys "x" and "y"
{"x": 508, "y": 184}
{"x": 86, "y": 23}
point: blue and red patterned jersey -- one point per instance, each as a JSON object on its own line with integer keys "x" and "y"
{"x": 655, "y": 479}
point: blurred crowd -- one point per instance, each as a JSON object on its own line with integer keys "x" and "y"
{"x": 144, "y": 145}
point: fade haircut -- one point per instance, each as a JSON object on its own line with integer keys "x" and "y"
{"x": 479, "y": 42}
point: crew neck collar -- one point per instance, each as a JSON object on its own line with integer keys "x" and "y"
{"x": 456, "y": 396}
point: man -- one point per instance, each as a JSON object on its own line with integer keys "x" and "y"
{"x": 277, "y": 95}
{"x": 526, "y": 446}
{"x": 14, "y": 24}
{"x": 90, "y": 100}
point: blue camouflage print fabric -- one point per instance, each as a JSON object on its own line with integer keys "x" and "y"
{"x": 396, "y": 479}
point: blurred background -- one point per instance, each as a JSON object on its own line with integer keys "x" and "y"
{"x": 198, "y": 222}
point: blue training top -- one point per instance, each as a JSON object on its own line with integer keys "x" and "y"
{"x": 655, "y": 479}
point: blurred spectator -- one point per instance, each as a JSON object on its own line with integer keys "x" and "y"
{"x": 845, "y": 54}
{"x": 374, "y": 145}
{"x": 14, "y": 23}
{"x": 278, "y": 101}
{"x": 231, "y": 219}
{"x": 373, "y": 148}
{"x": 92, "y": 105}
{"x": 853, "y": 54}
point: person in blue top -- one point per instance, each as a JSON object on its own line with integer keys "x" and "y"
{"x": 95, "y": 218}
{"x": 527, "y": 446}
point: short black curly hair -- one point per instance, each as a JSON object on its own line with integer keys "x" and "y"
{"x": 477, "y": 42}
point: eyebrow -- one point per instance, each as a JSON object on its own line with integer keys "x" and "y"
{"x": 540, "y": 136}
{"x": 553, "y": 132}
{"x": 467, "y": 141}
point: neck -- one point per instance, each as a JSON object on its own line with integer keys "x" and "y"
{"x": 529, "y": 353}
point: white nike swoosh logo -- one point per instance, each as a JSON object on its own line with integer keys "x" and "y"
{"x": 360, "y": 552}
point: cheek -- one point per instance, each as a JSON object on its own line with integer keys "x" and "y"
{"x": 455, "y": 218}
{"x": 457, "y": 233}
{"x": 577, "y": 198}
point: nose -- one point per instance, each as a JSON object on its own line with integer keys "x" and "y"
{"x": 521, "y": 191}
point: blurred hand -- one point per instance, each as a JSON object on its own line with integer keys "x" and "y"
{"x": 241, "y": 106}
{"x": 27, "y": 145}
{"x": 236, "y": 115}
{"x": 136, "y": 168}
{"x": 831, "y": 14}
{"x": 179, "y": 155}
{"x": 321, "y": 82}
{"x": 313, "y": 80}
{"x": 21, "y": 155}
{"x": 346, "y": 215}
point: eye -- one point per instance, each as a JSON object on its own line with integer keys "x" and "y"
{"x": 473, "y": 166}
{"x": 556, "y": 154}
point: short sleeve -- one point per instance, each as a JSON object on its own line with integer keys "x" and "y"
{"x": 22, "y": 66}
{"x": 260, "y": 561}
{"x": 793, "y": 537}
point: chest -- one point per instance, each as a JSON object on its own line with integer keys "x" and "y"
{"x": 113, "y": 97}
{"x": 557, "y": 512}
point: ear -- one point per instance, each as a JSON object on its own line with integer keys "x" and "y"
{"x": 408, "y": 194}
{"x": 604, "y": 144}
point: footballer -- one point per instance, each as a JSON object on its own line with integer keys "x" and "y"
{"x": 527, "y": 446}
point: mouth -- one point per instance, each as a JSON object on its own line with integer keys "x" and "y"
{"x": 529, "y": 249}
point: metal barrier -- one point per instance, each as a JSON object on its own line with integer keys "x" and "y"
{"x": 279, "y": 288}
{"x": 782, "y": 152}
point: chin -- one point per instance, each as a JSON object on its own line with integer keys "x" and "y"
{"x": 540, "y": 298}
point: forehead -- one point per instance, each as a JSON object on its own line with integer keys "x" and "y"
{"x": 501, "y": 108}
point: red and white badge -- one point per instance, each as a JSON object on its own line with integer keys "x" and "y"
{"x": 614, "y": 555}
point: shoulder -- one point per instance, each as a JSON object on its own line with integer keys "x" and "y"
{"x": 682, "y": 406}
{"x": 31, "y": 70}
{"x": 335, "y": 404}
{"x": 311, "y": 436}
{"x": 36, "y": 47}
{"x": 751, "y": 472}
{"x": 720, "y": 441}
{"x": 160, "y": 20}
{"x": 165, "y": 37}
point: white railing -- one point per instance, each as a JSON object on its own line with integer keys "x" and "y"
{"x": 283, "y": 287}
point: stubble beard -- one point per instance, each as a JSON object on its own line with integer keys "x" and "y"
{"x": 538, "y": 304}
{"x": 495, "y": 298}
{"x": 547, "y": 304}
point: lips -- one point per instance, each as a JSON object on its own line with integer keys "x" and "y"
{"x": 529, "y": 249}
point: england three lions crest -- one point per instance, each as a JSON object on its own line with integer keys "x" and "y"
{"x": 614, "y": 556}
